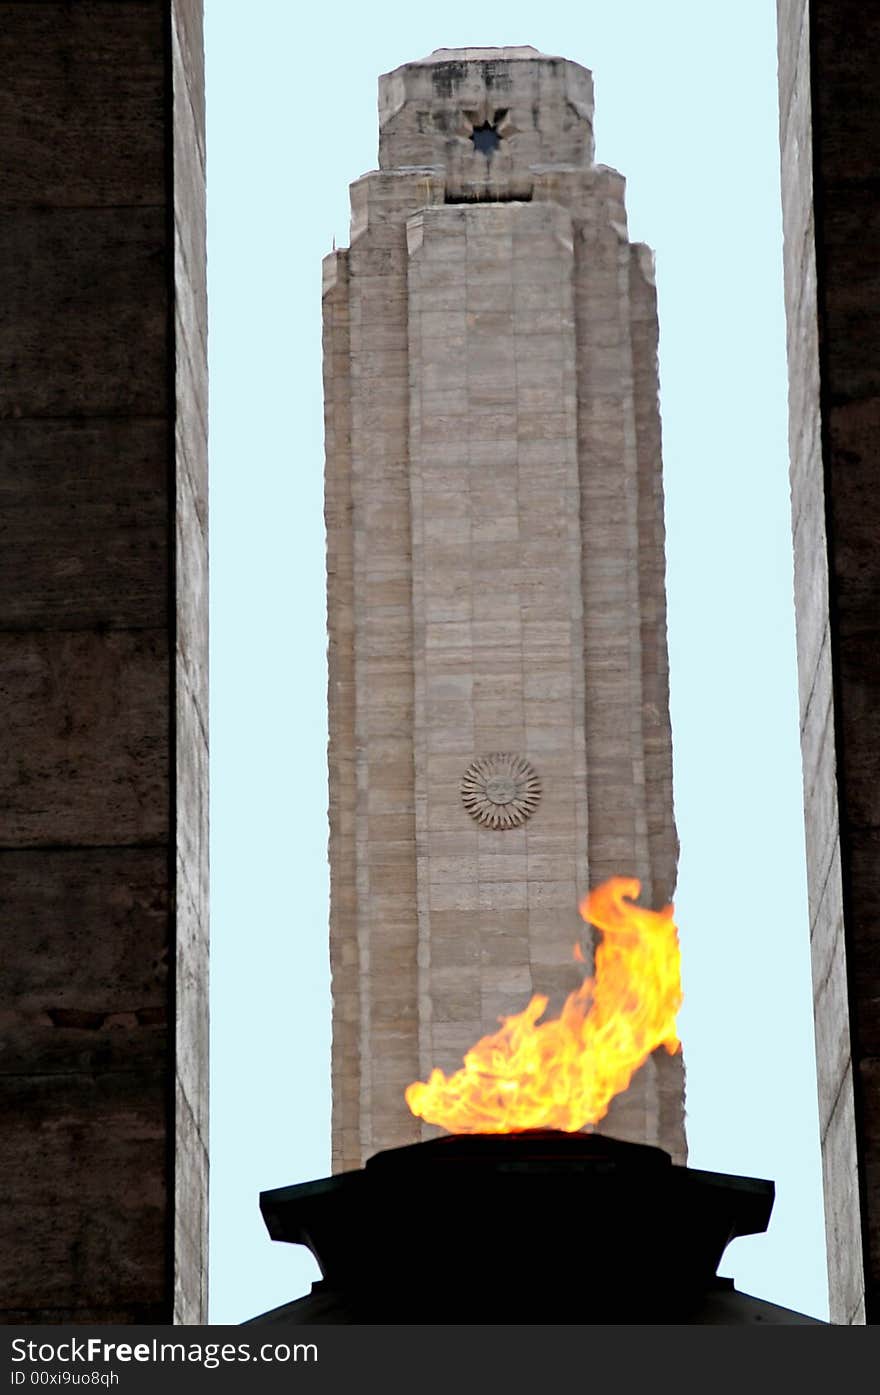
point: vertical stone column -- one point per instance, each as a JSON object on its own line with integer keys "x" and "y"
{"x": 830, "y": 136}
{"x": 188, "y": 615}
{"x": 661, "y": 838}
{"x": 386, "y": 923}
{"x": 497, "y": 600}
{"x": 344, "y": 952}
{"x": 626, "y": 689}
{"x": 103, "y": 650}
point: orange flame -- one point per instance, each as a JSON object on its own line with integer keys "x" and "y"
{"x": 564, "y": 1073}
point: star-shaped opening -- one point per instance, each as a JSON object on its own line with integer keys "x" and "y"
{"x": 486, "y": 138}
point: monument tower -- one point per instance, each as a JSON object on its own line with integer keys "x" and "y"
{"x": 499, "y": 727}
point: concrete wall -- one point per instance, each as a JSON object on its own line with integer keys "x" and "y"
{"x": 830, "y": 136}
{"x": 103, "y": 649}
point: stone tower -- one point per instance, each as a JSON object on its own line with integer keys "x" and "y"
{"x": 499, "y": 727}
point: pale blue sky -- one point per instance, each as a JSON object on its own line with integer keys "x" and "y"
{"x": 686, "y": 108}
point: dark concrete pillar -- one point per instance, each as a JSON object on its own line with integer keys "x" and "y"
{"x": 829, "y": 57}
{"x": 103, "y": 649}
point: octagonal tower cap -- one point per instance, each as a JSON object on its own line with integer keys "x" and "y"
{"x": 535, "y": 108}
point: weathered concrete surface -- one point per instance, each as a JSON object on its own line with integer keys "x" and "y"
{"x": 495, "y": 578}
{"x": 103, "y": 648}
{"x": 190, "y": 601}
{"x": 830, "y": 137}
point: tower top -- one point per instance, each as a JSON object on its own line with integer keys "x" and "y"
{"x": 472, "y": 111}
{"x": 480, "y": 55}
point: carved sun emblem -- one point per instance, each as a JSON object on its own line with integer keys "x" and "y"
{"x": 500, "y": 790}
